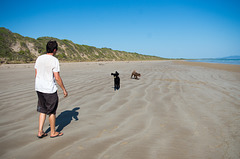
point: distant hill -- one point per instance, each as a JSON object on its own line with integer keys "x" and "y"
{"x": 15, "y": 48}
{"x": 231, "y": 57}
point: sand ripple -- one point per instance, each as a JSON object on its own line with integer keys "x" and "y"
{"x": 173, "y": 111}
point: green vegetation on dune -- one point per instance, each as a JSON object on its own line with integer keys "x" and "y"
{"x": 15, "y": 48}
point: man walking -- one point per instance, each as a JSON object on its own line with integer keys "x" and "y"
{"x": 46, "y": 75}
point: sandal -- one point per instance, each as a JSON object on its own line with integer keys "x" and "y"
{"x": 59, "y": 134}
{"x": 43, "y": 135}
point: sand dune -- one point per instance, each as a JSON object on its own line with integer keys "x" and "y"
{"x": 174, "y": 111}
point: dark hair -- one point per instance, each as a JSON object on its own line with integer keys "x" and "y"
{"x": 51, "y": 45}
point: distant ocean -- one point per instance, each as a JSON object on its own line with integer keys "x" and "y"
{"x": 222, "y": 61}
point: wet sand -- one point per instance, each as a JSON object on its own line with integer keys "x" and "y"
{"x": 175, "y": 110}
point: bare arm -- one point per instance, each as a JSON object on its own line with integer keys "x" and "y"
{"x": 35, "y": 73}
{"x": 60, "y": 83}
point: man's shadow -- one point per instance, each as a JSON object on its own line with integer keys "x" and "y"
{"x": 65, "y": 119}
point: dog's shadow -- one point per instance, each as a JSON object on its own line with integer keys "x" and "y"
{"x": 65, "y": 118}
{"x": 136, "y": 78}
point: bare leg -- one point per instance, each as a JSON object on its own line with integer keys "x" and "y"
{"x": 42, "y": 118}
{"x": 52, "y": 121}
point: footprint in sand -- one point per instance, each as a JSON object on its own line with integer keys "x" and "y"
{"x": 67, "y": 154}
{"x": 115, "y": 127}
{"x": 162, "y": 125}
{"x": 106, "y": 156}
{"x": 80, "y": 147}
{"x": 124, "y": 143}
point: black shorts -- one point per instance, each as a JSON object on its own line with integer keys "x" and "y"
{"x": 47, "y": 103}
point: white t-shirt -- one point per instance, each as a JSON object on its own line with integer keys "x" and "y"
{"x": 45, "y": 81}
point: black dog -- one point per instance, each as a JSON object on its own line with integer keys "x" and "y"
{"x": 116, "y": 80}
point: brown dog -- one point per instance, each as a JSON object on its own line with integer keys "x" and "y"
{"x": 135, "y": 75}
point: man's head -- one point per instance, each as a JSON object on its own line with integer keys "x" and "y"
{"x": 51, "y": 46}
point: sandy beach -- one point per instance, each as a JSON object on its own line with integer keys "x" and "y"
{"x": 176, "y": 110}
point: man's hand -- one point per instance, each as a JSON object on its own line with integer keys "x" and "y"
{"x": 60, "y": 83}
{"x": 65, "y": 93}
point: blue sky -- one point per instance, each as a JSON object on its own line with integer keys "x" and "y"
{"x": 165, "y": 28}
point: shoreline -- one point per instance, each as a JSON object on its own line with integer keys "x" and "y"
{"x": 219, "y": 66}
